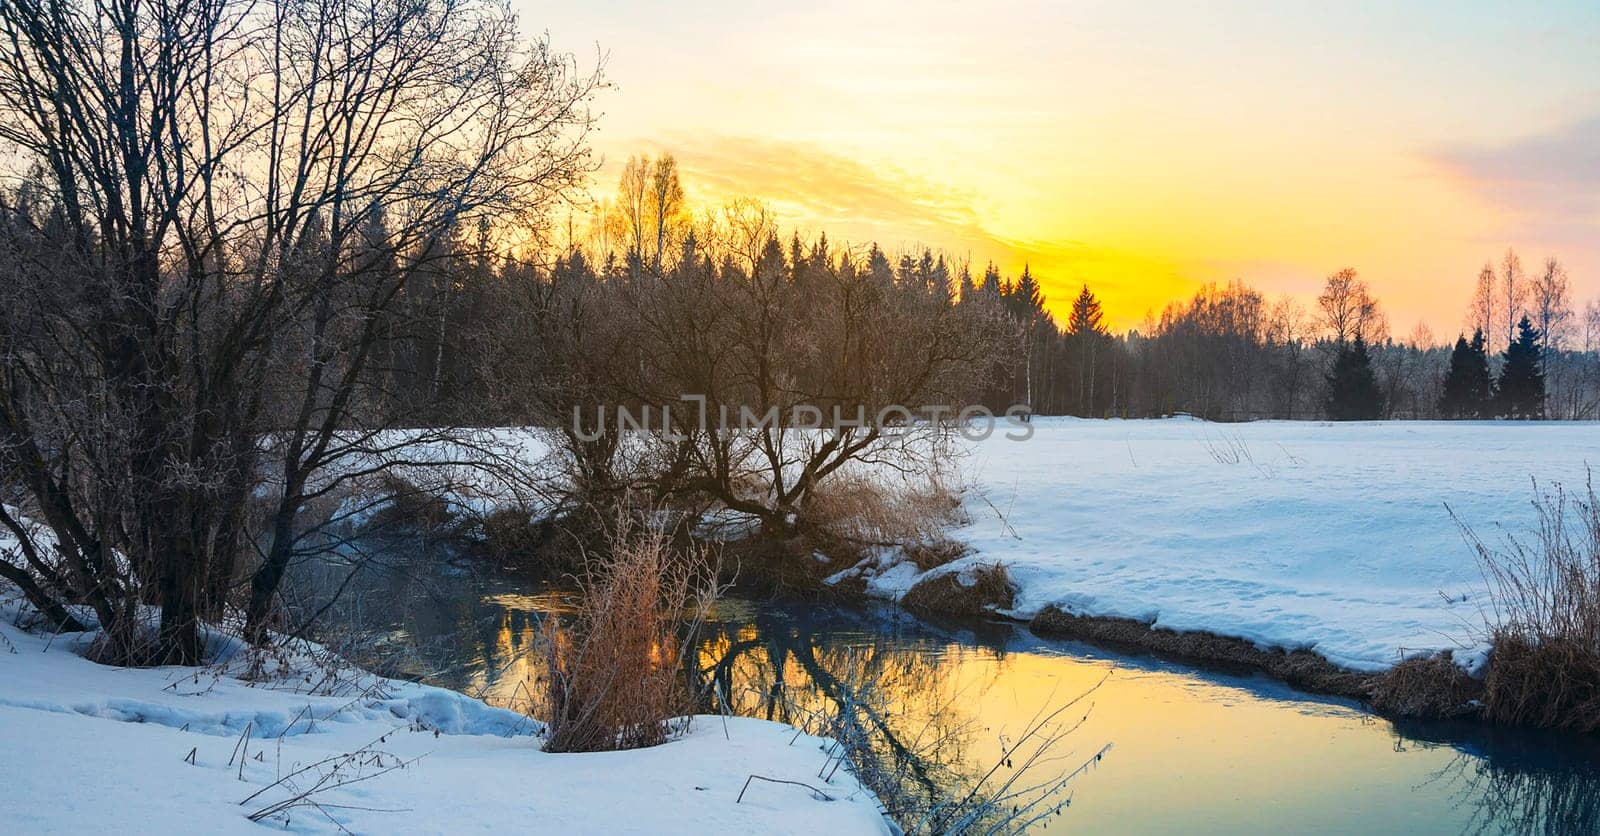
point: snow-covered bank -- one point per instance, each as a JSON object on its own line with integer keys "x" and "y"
{"x": 1332, "y": 537}
{"x": 88, "y": 747}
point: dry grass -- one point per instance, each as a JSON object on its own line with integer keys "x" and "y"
{"x": 1301, "y": 668}
{"x": 1544, "y": 625}
{"x": 1428, "y": 688}
{"x": 613, "y": 669}
{"x": 856, "y": 511}
{"x": 975, "y": 591}
{"x": 1552, "y": 683}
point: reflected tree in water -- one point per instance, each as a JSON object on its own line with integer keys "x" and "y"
{"x": 895, "y": 709}
{"x": 1514, "y": 782}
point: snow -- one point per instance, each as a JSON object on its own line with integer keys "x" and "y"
{"x": 1336, "y": 537}
{"x": 95, "y": 748}
{"x": 1333, "y": 537}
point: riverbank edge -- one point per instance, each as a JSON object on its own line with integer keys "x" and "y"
{"x": 1424, "y": 688}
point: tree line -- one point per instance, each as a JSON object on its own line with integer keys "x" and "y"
{"x": 1229, "y": 353}
{"x": 1226, "y": 353}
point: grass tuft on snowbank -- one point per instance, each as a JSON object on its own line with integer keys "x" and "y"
{"x": 1432, "y": 687}
{"x": 1544, "y": 625}
{"x": 976, "y": 590}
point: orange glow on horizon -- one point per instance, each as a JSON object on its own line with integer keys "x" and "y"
{"x": 1143, "y": 149}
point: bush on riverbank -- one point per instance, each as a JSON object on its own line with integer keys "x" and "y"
{"x": 849, "y": 521}
{"x": 851, "y": 513}
{"x": 1544, "y": 625}
{"x": 398, "y": 502}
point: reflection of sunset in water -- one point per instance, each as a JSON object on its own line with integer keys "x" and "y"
{"x": 1193, "y": 751}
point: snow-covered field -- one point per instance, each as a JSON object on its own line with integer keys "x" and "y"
{"x": 1331, "y": 536}
{"x": 1334, "y": 537}
{"x": 89, "y": 748}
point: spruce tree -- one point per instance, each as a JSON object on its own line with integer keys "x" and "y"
{"x": 1467, "y": 391}
{"x": 1520, "y": 393}
{"x": 1087, "y": 345}
{"x": 1353, "y": 393}
{"x": 1087, "y": 318}
{"x": 969, "y": 288}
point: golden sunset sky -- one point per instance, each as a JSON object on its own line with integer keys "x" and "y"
{"x": 1141, "y": 147}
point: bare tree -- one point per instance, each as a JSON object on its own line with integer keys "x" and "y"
{"x": 1349, "y": 309}
{"x": 1514, "y": 292}
{"x": 666, "y": 206}
{"x": 1481, "y": 316}
{"x": 650, "y": 209}
{"x": 196, "y": 278}
{"x": 1551, "y": 304}
{"x": 1288, "y": 330}
{"x": 1589, "y": 364}
{"x": 1551, "y": 310}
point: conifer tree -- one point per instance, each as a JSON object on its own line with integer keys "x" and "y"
{"x": 1088, "y": 348}
{"x": 878, "y": 267}
{"x": 1520, "y": 393}
{"x": 1467, "y": 388}
{"x": 1026, "y": 302}
{"x": 1087, "y": 318}
{"x": 969, "y": 288}
{"x": 1353, "y": 393}
{"x": 1026, "y": 299}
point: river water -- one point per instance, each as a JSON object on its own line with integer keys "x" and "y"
{"x": 1191, "y": 750}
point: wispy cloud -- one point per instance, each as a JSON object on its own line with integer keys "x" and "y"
{"x": 1547, "y": 184}
{"x": 856, "y": 201}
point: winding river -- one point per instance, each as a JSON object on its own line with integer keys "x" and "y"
{"x": 1190, "y": 750}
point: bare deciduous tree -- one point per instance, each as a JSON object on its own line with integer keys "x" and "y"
{"x": 1482, "y": 316}
{"x": 1349, "y": 309}
{"x": 194, "y": 296}
{"x": 1514, "y": 291}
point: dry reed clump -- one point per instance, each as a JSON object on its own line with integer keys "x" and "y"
{"x": 1544, "y": 624}
{"x": 1552, "y": 683}
{"x": 612, "y": 680}
{"x": 1427, "y": 688}
{"x": 931, "y": 555}
{"x": 976, "y": 590}
{"x": 853, "y": 512}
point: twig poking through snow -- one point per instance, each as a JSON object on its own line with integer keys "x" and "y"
{"x": 244, "y": 745}
{"x": 819, "y": 794}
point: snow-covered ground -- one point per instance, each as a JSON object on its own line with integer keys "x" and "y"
{"x": 1330, "y": 536}
{"x": 89, "y": 748}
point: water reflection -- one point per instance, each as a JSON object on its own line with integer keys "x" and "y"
{"x": 1514, "y": 782}
{"x": 1196, "y": 752}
